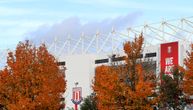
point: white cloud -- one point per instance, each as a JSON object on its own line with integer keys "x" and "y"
{"x": 75, "y": 27}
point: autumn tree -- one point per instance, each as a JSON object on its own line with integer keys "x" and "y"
{"x": 140, "y": 83}
{"x": 31, "y": 80}
{"x": 188, "y": 77}
{"x": 126, "y": 86}
{"x": 105, "y": 84}
{"x": 188, "y": 74}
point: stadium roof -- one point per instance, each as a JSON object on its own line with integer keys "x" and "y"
{"x": 154, "y": 33}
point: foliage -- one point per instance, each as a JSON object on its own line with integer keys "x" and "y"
{"x": 126, "y": 86}
{"x": 188, "y": 76}
{"x": 89, "y": 103}
{"x": 31, "y": 80}
{"x": 171, "y": 92}
{"x": 104, "y": 85}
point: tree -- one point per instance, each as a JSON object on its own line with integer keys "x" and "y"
{"x": 104, "y": 84}
{"x": 89, "y": 103}
{"x": 171, "y": 92}
{"x": 126, "y": 86}
{"x": 31, "y": 80}
{"x": 139, "y": 98}
{"x": 141, "y": 82}
{"x": 188, "y": 76}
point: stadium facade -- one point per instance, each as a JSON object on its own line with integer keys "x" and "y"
{"x": 80, "y": 68}
{"x": 165, "y": 45}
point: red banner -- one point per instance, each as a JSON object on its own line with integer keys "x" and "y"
{"x": 169, "y": 56}
{"x": 76, "y": 96}
{"x": 76, "y": 93}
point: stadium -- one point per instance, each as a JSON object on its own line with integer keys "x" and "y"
{"x": 80, "y": 56}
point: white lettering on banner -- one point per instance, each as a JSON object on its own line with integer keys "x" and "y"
{"x": 169, "y": 65}
{"x": 168, "y": 69}
{"x": 169, "y": 61}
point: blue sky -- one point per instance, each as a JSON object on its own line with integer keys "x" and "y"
{"x": 25, "y": 19}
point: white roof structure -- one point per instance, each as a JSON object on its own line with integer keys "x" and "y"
{"x": 154, "y": 33}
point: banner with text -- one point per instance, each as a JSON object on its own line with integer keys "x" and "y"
{"x": 169, "y": 56}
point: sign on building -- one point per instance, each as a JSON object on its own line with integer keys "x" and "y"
{"x": 169, "y": 57}
{"x": 76, "y": 96}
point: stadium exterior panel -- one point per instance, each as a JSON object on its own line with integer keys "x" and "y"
{"x": 81, "y": 68}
